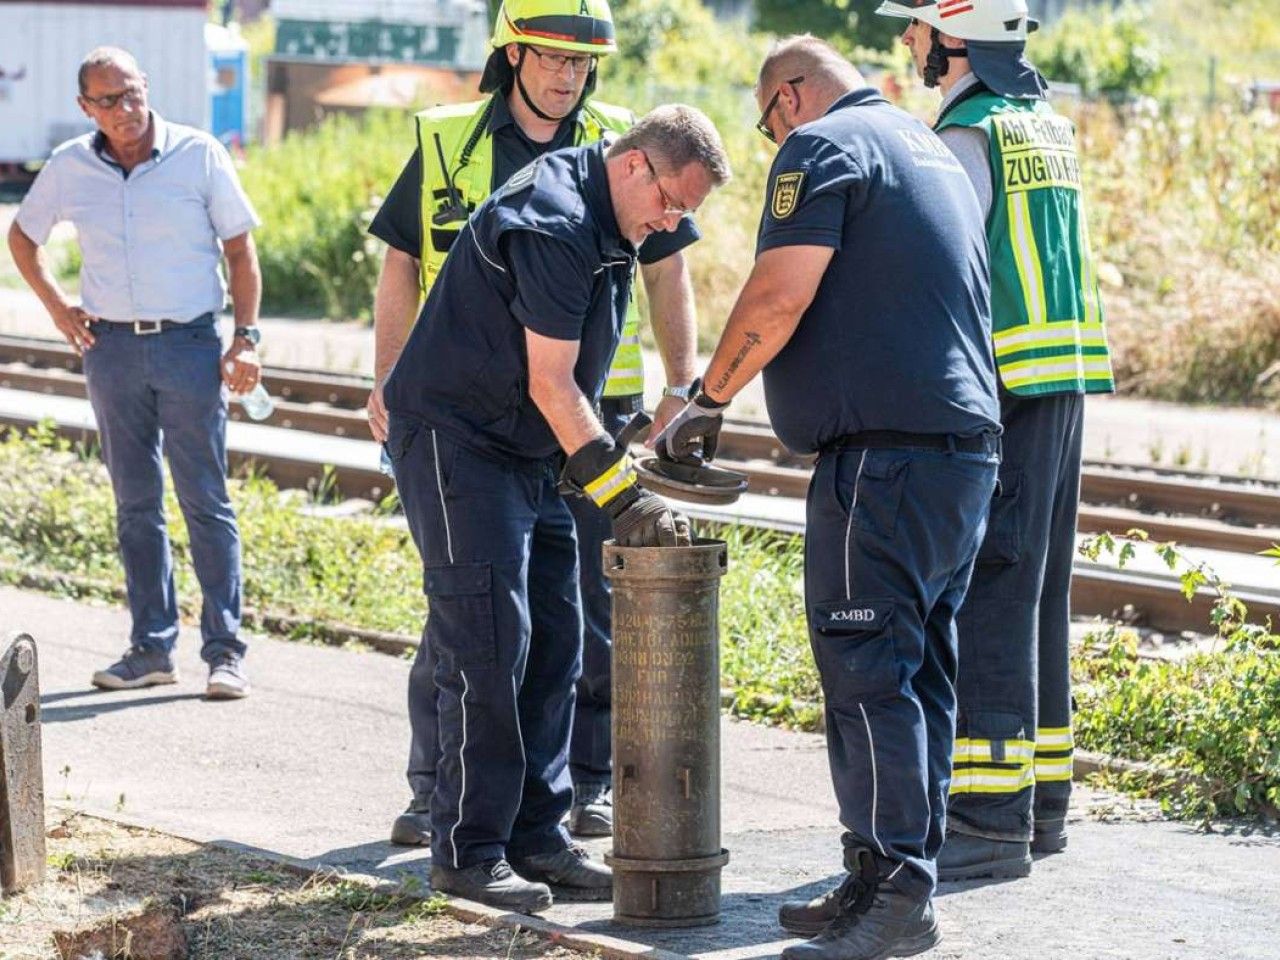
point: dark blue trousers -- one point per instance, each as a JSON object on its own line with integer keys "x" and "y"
{"x": 590, "y": 759}
{"x": 504, "y": 637}
{"x": 162, "y": 392}
{"x": 589, "y": 745}
{"x": 889, "y": 546}
{"x": 1013, "y": 738}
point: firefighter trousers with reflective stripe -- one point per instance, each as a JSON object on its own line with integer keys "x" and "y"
{"x": 590, "y": 758}
{"x": 1013, "y": 739}
{"x": 889, "y": 547}
{"x": 504, "y": 635}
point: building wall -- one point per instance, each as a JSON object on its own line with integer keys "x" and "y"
{"x": 42, "y": 44}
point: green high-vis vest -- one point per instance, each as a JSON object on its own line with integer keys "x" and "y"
{"x": 1046, "y": 314}
{"x": 468, "y": 150}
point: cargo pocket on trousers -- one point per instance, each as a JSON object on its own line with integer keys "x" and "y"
{"x": 1002, "y": 543}
{"x": 878, "y": 492}
{"x": 853, "y": 643}
{"x": 460, "y": 610}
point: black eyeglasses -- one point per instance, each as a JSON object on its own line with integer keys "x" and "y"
{"x": 669, "y": 206}
{"x": 556, "y": 62}
{"x": 763, "y": 123}
{"x": 134, "y": 95}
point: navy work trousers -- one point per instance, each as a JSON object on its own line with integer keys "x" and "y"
{"x": 890, "y": 540}
{"x": 159, "y": 392}
{"x": 589, "y": 745}
{"x": 504, "y": 638}
{"x": 1013, "y": 738}
{"x": 590, "y": 758}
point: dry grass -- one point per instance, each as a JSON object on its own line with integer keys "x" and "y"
{"x": 234, "y": 906}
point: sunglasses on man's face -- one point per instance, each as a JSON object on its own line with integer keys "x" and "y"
{"x": 109, "y": 101}
{"x": 763, "y": 123}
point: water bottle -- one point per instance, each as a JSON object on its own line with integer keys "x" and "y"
{"x": 257, "y": 402}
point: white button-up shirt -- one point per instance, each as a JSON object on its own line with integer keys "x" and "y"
{"x": 150, "y": 242}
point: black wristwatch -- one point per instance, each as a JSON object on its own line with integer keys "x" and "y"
{"x": 252, "y": 334}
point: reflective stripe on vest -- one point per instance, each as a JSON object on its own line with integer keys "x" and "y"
{"x": 456, "y": 124}
{"x": 1046, "y": 313}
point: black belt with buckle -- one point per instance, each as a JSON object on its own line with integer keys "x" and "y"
{"x": 144, "y": 328}
{"x": 898, "y": 440}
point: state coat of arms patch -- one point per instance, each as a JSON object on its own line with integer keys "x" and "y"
{"x": 786, "y": 192}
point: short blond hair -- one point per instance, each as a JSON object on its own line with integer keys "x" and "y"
{"x": 675, "y": 135}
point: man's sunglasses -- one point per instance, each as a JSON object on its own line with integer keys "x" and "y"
{"x": 134, "y": 95}
{"x": 763, "y": 123}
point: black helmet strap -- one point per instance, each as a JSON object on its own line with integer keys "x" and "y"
{"x": 937, "y": 63}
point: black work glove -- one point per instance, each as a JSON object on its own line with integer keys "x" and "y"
{"x": 602, "y": 472}
{"x": 694, "y": 433}
{"x": 647, "y": 521}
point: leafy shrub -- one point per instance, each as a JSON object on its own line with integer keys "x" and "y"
{"x": 1212, "y": 719}
{"x": 846, "y": 24}
{"x": 316, "y": 193}
{"x": 1107, "y": 53}
{"x": 1185, "y": 216}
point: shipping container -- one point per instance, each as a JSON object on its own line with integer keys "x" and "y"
{"x": 42, "y": 44}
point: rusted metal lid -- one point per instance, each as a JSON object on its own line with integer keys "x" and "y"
{"x": 689, "y": 482}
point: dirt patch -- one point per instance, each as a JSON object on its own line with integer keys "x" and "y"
{"x": 123, "y": 892}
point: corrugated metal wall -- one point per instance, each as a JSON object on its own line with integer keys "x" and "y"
{"x": 47, "y": 41}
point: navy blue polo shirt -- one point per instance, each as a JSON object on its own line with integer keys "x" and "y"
{"x": 544, "y": 252}
{"x": 898, "y": 336}
{"x": 398, "y": 221}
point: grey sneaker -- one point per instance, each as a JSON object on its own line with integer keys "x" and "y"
{"x": 227, "y": 679}
{"x": 137, "y": 668}
{"x": 592, "y": 811}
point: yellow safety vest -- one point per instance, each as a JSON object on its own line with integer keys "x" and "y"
{"x": 467, "y": 144}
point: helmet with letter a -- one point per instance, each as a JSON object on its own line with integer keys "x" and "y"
{"x": 994, "y": 34}
{"x": 578, "y": 26}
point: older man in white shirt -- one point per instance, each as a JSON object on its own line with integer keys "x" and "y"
{"x": 157, "y": 207}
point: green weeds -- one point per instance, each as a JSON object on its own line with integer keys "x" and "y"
{"x": 1212, "y": 720}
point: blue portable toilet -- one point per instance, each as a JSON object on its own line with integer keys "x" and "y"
{"x": 228, "y": 84}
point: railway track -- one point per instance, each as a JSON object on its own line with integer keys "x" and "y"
{"x": 1195, "y": 509}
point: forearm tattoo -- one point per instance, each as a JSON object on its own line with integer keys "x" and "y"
{"x": 752, "y": 340}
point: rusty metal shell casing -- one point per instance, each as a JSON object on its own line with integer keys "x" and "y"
{"x": 22, "y": 850}
{"x": 666, "y": 855}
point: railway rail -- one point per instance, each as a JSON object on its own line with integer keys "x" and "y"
{"x": 1193, "y": 508}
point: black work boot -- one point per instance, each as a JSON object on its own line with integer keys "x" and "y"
{"x": 1049, "y": 826}
{"x": 413, "y": 827}
{"x": 1050, "y": 836}
{"x": 571, "y": 874}
{"x": 592, "y": 811}
{"x": 878, "y": 922}
{"x": 808, "y": 918}
{"x": 493, "y": 883}
{"x": 966, "y": 857}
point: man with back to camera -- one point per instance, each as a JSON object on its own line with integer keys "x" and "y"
{"x": 867, "y": 310}
{"x": 1013, "y": 756}
{"x": 493, "y": 389}
{"x": 541, "y": 79}
{"x": 156, "y": 206}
